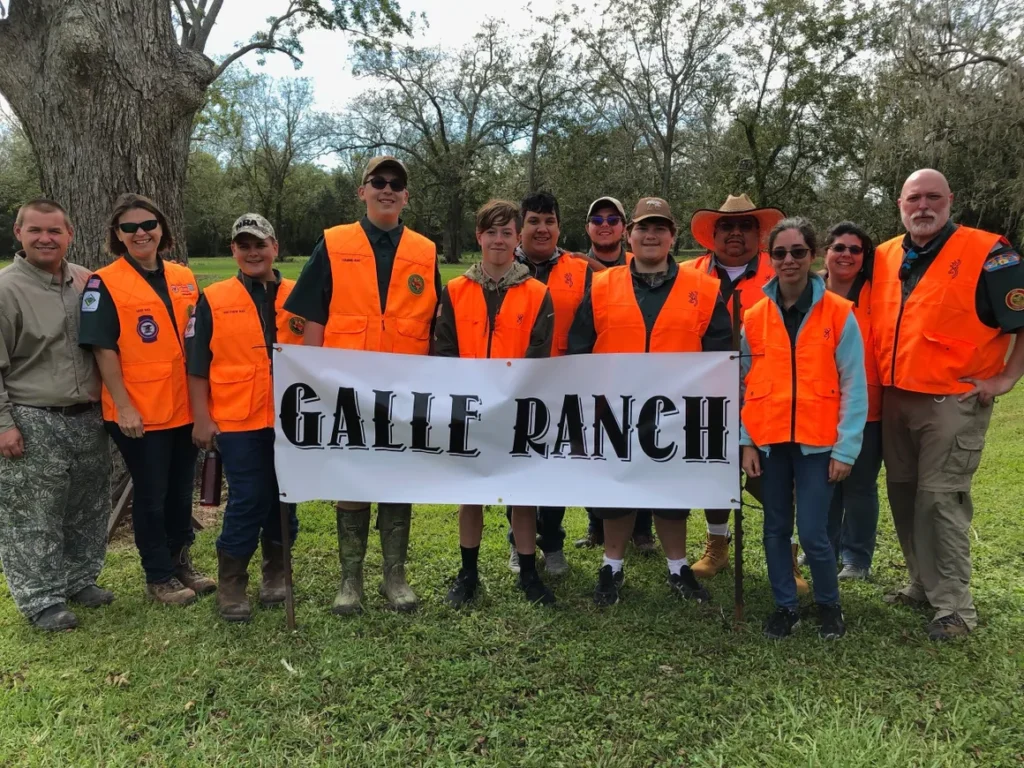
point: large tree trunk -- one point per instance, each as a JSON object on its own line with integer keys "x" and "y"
{"x": 107, "y": 99}
{"x": 453, "y": 229}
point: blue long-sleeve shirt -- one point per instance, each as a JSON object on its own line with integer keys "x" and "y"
{"x": 853, "y": 386}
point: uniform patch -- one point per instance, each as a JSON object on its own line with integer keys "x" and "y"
{"x": 297, "y": 325}
{"x": 94, "y": 282}
{"x": 416, "y": 284}
{"x": 191, "y": 309}
{"x": 147, "y": 329}
{"x": 90, "y": 301}
{"x": 1015, "y": 299}
{"x": 1002, "y": 261}
{"x": 190, "y": 329}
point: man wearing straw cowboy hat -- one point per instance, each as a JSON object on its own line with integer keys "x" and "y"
{"x": 734, "y": 236}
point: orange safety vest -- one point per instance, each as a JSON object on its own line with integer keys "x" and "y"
{"x": 513, "y": 323}
{"x": 934, "y": 339}
{"x": 680, "y": 326}
{"x": 567, "y": 283}
{"x": 151, "y": 354}
{"x": 748, "y": 290}
{"x": 241, "y": 386}
{"x": 354, "y": 317}
{"x": 794, "y": 399}
{"x": 862, "y": 310}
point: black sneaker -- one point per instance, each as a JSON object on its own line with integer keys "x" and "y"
{"x": 608, "y": 585}
{"x": 781, "y": 623}
{"x": 686, "y": 584}
{"x": 463, "y": 589}
{"x": 832, "y": 625}
{"x": 535, "y": 590}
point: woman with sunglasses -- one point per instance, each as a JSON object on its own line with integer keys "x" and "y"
{"x": 853, "y": 517}
{"x": 135, "y": 313}
{"x": 803, "y": 396}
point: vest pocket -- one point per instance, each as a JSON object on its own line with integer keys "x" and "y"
{"x": 965, "y": 455}
{"x": 346, "y": 332}
{"x": 950, "y": 353}
{"x": 412, "y": 337}
{"x": 231, "y": 391}
{"x": 150, "y": 388}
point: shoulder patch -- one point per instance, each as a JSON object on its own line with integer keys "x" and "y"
{"x": 997, "y": 261}
{"x": 90, "y": 301}
{"x": 1015, "y": 300}
{"x": 190, "y": 328}
{"x": 94, "y": 282}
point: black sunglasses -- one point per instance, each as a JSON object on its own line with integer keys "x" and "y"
{"x": 130, "y": 228}
{"x": 378, "y": 182}
{"x": 797, "y": 252}
{"x": 612, "y": 220}
{"x": 743, "y": 225}
{"x": 855, "y": 250}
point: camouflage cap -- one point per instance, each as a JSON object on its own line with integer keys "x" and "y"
{"x": 386, "y": 162}
{"x": 252, "y": 224}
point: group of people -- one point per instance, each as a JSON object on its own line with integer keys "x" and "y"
{"x": 893, "y": 353}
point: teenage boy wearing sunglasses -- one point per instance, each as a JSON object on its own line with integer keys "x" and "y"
{"x": 372, "y": 285}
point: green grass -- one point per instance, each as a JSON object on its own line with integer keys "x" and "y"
{"x": 651, "y": 682}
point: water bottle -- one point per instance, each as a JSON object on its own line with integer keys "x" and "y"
{"x": 209, "y": 490}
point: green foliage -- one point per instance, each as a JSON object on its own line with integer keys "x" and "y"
{"x": 19, "y": 180}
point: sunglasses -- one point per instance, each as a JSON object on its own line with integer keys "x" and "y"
{"x": 378, "y": 182}
{"x": 797, "y": 252}
{"x": 130, "y": 228}
{"x": 855, "y": 250}
{"x": 743, "y": 225}
{"x": 612, "y": 220}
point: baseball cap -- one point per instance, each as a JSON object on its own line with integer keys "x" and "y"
{"x": 652, "y": 208}
{"x": 252, "y": 224}
{"x": 605, "y": 201}
{"x": 385, "y": 162}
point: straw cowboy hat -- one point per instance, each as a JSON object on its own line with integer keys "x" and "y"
{"x": 702, "y": 224}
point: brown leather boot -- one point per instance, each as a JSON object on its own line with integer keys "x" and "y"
{"x": 714, "y": 559}
{"x": 233, "y": 575}
{"x": 187, "y": 574}
{"x": 170, "y": 592}
{"x": 802, "y": 587}
{"x": 272, "y": 590}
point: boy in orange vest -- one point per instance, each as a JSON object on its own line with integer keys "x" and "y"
{"x": 496, "y": 310}
{"x": 372, "y": 285}
{"x": 229, "y": 347}
{"x": 649, "y": 306}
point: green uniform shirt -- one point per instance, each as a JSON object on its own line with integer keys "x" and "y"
{"x": 199, "y": 334}
{"x": 100, "y": 325}
{"x": 311, "y": 296}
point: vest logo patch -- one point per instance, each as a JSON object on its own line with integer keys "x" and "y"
{"x": 693, "y": 298}
{"x": 568, "y": 279}
{"x": 416, "y": 284}
{"x": 519, "y": 318}
{"x": 1015, "y": 299}
{"x": 147, "y": 329}
{"x": 297, "y": 326}
{"x": 954, "y": 269}
{"x": 828, "y": 334}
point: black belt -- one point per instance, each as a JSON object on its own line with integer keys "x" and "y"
{"x": 66, "y": 410}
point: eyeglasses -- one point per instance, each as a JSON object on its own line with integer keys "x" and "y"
{"x": 743, "y": 225}
{"x": 130, "y": 228}
{"x": 611, "y": 221}
{"x": 797, "y": 252}
{"x": 907, "y": 265}
{"x": 855, "y": 250}
{"x": 379, "y": 182}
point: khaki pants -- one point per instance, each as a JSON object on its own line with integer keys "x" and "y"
{"x": 932, "y": 447}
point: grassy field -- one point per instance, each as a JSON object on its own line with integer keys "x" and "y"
{"x": 651, "y": 682}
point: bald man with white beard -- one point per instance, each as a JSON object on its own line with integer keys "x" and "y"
{"x": 945, "y": 302}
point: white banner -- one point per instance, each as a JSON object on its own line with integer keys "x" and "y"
{"x": 658, "y": 430}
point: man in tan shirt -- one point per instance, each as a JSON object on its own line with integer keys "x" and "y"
{"x": 54, "y": 453}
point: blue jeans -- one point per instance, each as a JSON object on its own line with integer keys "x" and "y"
{"x": 550, "y": 533}
{"x": 253, "y": 498}
{"x": 853, "y": 534}
{"x": 782, "y": 467}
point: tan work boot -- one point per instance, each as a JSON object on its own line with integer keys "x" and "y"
{"x": 188, "y": 575}
{"x": 802, "y": 587}
{"x": 714, "y": 559}
{"x": 393, "y": 521}
{"x": 170, "y": 592}
{"x": 353, "y": 528}
{"x": 272, "y": 590}
{"x": 233, "y": 578}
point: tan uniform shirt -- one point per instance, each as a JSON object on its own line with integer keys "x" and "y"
{"x": 41, "y": 363}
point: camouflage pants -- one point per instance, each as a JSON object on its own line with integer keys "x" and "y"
{"x": 54, "y": 507}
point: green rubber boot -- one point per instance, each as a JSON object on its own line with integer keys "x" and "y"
{"x": 393, "y": 521}
{"x": 353, "y": 528}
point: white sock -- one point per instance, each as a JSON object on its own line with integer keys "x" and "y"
{"x": 676, "y": 566}
{"x": 615, "y": 564}
{"x": 718, "y": 529}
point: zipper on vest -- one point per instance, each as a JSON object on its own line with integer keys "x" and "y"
{"x": 792, "y": 360}
{"x": 896, "y": 340}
